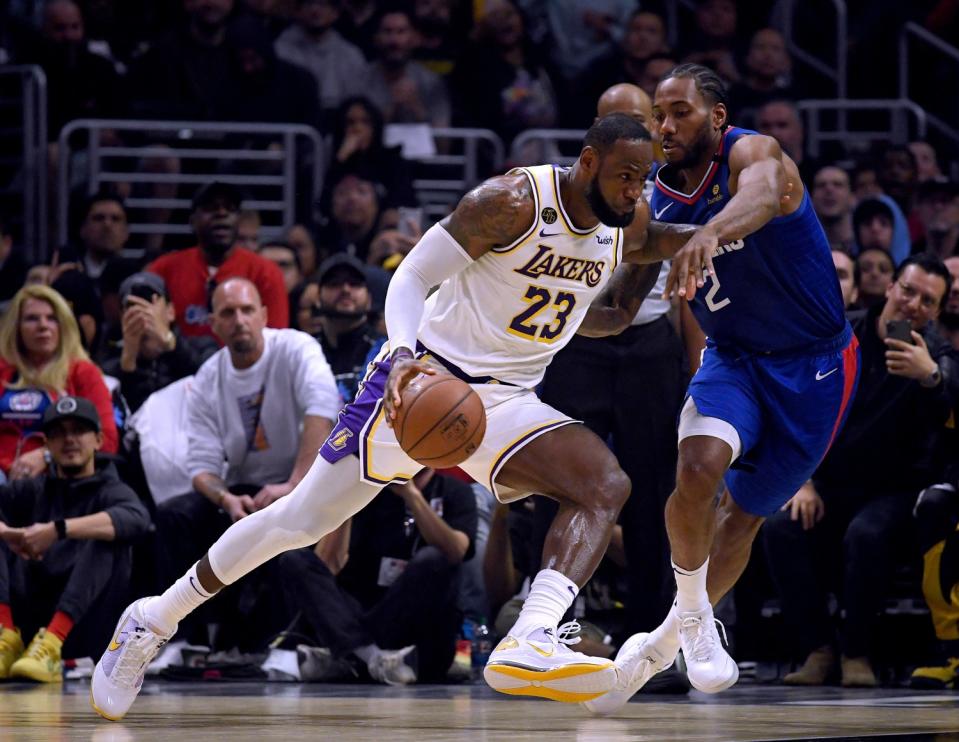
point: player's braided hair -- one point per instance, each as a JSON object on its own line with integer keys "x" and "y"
{"x": 708, "y": 83}
{"x": 608, "y": 130}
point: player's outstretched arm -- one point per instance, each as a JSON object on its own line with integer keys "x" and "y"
{"x": 497, "y": 212}
{"x": 760, "y": 192}
{"x": 647, "y": 241}
{"x": 757, "y": 176}
{"x": 614, "y": 309}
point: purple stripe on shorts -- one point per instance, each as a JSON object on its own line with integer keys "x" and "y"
{"x": 345, "y": 437}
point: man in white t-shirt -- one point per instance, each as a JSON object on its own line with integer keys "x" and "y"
{"x": 258, "y": 411}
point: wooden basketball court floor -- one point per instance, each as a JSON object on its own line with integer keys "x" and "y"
{"x": 261, "y": 712}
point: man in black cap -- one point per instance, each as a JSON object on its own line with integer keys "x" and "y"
{"x": 152, "y": 352}
{"x": 193, "y": 273}
{"x": 64, "y": 549}
{"x": 343, "y": 306}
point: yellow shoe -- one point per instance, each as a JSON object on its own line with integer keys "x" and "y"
{"x": 41, "y": 661}
{"x": 937, "y": 677}
{"x": 11, "y": 647}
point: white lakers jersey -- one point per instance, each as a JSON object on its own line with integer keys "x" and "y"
{"x": 507, "y": 314}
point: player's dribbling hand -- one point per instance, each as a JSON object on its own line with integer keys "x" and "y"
{"x": 404, "y": 369}
{"x": 686, "y": 274}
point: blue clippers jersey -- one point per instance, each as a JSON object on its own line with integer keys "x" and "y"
{"x": 774, "y": 291}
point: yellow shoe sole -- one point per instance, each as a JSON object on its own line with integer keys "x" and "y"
{"x": 573, "y": 683}
{"x": 99, "y": 711}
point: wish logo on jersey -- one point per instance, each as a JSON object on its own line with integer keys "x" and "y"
{"x": 547, "y": 262}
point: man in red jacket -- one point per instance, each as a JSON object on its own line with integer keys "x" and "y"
{"x": 193, "y": 273}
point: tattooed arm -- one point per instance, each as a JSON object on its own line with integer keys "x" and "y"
{"x": 495, "y": 213}
{"x": 645, "y": 245}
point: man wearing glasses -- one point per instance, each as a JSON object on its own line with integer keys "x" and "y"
{"x": 853, "y": 518}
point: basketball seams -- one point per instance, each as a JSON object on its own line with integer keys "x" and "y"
{"x": 443, "y": 419}
{"x": 406, "y": 413}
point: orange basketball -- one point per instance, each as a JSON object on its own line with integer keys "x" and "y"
{"x": 441, "y": 421}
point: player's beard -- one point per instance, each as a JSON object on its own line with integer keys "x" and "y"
{"x": 603, "y": 211}
{"x": 697, "y": 149}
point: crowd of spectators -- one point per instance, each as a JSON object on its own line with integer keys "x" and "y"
{"x": 155, "y": 391}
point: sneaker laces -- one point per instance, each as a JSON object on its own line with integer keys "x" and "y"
{"x": 140, "y": 648}
{"x": 704, "y": 640}
{"x": 568, "y": 632}
{"x": 41, "y": 650}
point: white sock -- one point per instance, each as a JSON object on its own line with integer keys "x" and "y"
{"x": 180, "y": 599}
{"x": 691, "y": 592}
{"x": 550, "y": 596}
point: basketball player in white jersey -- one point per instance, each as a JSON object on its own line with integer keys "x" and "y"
{"x": 518, "y": 263}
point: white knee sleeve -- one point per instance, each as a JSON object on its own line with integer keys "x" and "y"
{"x": 327, "y": 496}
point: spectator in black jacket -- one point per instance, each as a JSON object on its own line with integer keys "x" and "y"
{"x": 856, "y": 510}
{"x": 64, "y": 549}
{"x": 358, "y": 149}
{"x": 152, "y": 353}
{"x": 346, "y": 335}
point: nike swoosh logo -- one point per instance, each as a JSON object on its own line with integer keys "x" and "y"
{"x": 507, "y": 643}
{"x": 820, "y": 375}
{"x": 114, "y": 645}
{"x": 657, "y": 214}
{"x": 198, "y": 591}
{"x": 544, "y": 233}
{"x": 542, "y": 651}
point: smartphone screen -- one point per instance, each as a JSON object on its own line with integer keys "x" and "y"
{"x": 900, "y": 329}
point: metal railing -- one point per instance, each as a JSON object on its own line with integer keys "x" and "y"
{"x": 25, "y": 193}
{"x": 837, "y": 71}
{"x": 915, "y": 31}
{"x": 268, "y": 162}
{"x": 464, "y": 157}
{"x": 550, "y": 141}
{"x": 853, "y": 139}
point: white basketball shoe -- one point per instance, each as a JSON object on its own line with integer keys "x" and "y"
{"x": 709, "y": 667}
{"x": 541, "y": 664}
{"x": 118, "y": 676}
{"x": 637, "y": 661}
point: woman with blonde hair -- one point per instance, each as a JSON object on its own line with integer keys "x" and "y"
{"x": 42, "y": 359}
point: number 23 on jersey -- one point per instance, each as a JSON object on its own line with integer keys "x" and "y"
{"x": 529, "y": 325}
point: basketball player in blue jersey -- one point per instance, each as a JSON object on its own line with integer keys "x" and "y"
{"x": 524, "y": 262}
{"x": 778, "y": 372}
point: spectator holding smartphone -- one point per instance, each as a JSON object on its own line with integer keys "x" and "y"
{"x": 856, "y": 510}
{"x": 152, "y": 352}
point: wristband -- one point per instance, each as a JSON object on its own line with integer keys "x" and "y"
{"x": 61, "y": 528}
{"x": 403, "y": 352}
